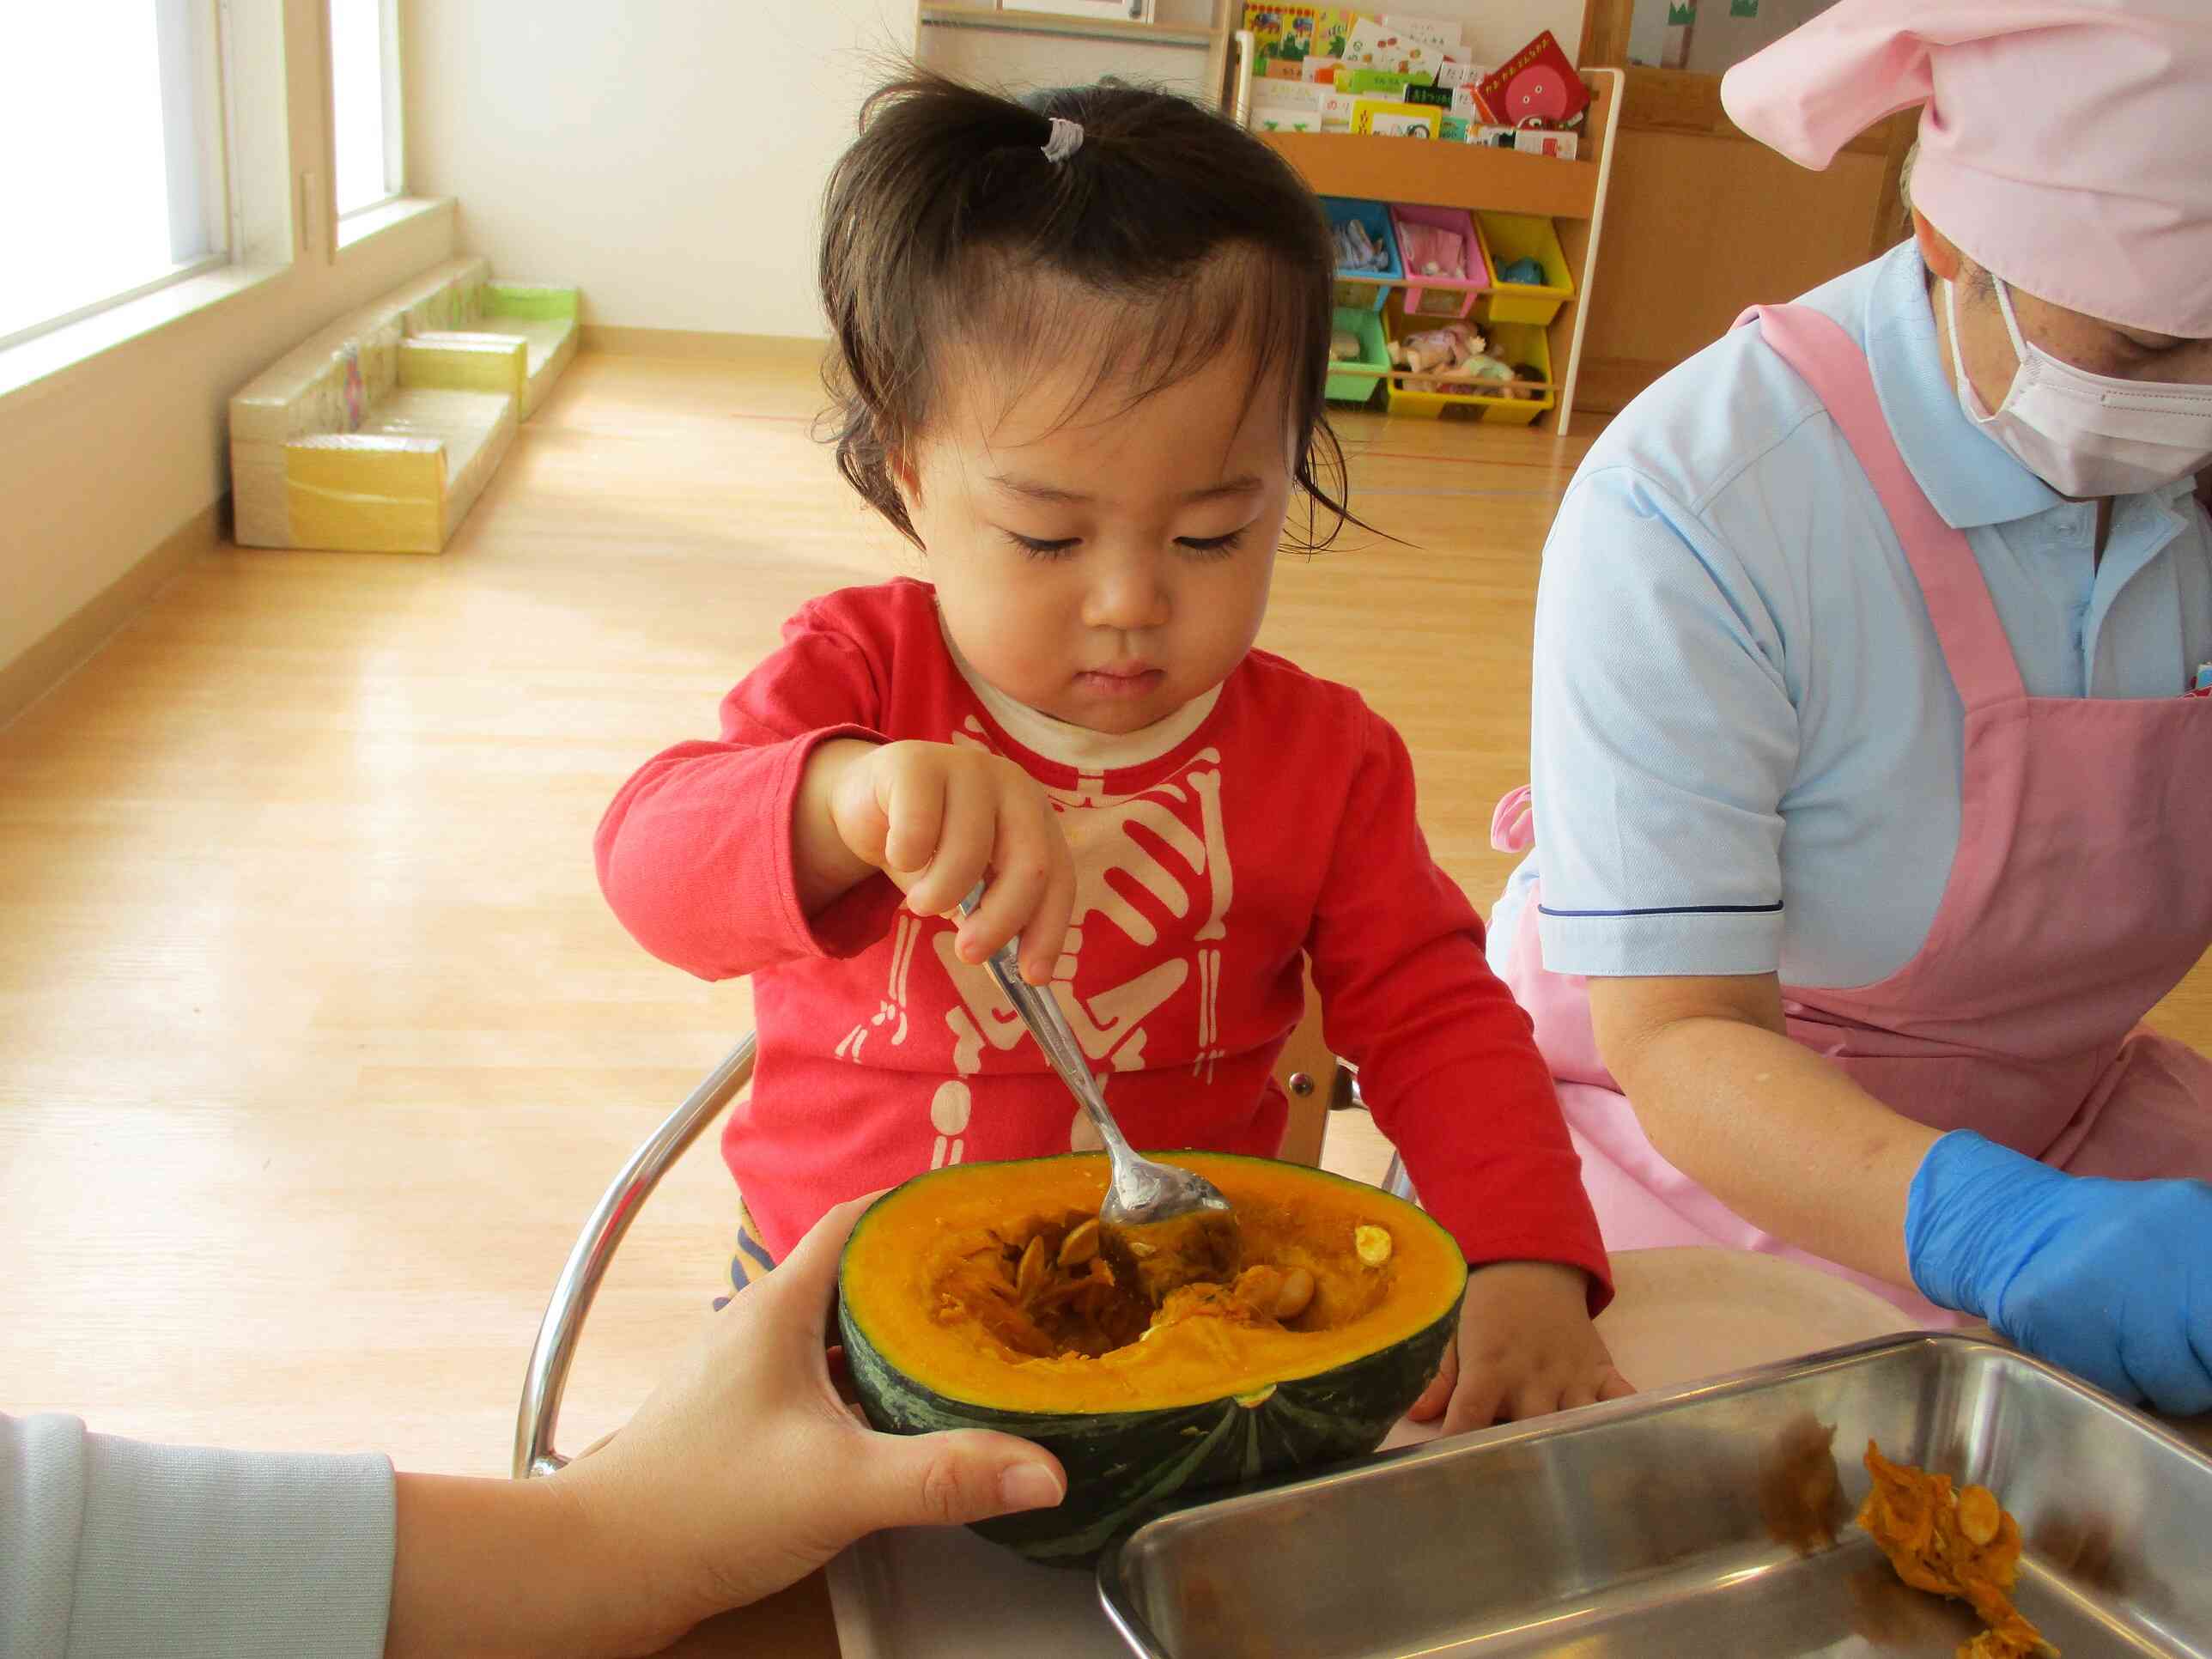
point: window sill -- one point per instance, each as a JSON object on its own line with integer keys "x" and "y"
{"x": 369, "y": 223}
{"x": 48, "y": 355}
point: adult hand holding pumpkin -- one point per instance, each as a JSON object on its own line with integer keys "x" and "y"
{"x": 744, "y": 1471}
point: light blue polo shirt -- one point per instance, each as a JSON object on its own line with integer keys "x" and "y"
{"x": 1746, "y": 746}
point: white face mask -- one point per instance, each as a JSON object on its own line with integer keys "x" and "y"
{"x": 2088, "y": 434}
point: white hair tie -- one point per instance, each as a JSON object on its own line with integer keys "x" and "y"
{"x": 1066, "y": 138}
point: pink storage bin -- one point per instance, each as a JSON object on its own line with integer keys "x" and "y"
{"x": 1439, "y": 296}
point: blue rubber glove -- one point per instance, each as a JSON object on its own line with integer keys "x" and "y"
{"x": 2111, "y": 1280}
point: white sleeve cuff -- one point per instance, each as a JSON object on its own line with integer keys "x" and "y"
{"x": 114, "y": 1546}
{"x": 1662, "y": 944}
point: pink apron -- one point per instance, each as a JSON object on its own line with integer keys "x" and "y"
{"x": 2081, "y": 893}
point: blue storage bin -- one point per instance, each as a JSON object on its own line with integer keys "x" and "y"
{"x": 1366, "y": 290}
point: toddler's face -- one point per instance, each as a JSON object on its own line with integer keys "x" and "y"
{"x": 1103, "y": 568}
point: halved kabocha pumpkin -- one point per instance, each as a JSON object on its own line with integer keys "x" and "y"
{"x": 976, "y": 1298}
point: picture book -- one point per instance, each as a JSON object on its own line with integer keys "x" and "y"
{"x": 1372, "y": 46}
{"x": 1389, "y": 82}
{"x": 1294, "y": 33}
{"x": 1536, "y": 86}
{"x": 1445, "y": 34}
{"x": 1384, "y": 118}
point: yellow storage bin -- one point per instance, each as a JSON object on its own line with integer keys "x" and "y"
{"x": 1509, "y": 236}
{"x": 1511, "y": 342}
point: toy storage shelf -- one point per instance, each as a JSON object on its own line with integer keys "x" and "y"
{"x": 1439, "y": 173}
{"x": 1432, "y": 171}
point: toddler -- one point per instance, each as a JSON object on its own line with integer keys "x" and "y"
{"x": 1080, "y": 344}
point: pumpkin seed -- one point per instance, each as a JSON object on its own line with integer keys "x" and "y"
{"x": 1979, "y": 1515}
{"x": 1260, "y": 1287}
{"x": 1373, "y": 1244}
{"x": 1296, "y": 1294}
{"x": 1079, "y": 1246}
{"x": 1139, "y": 1248}
{"x": 1030, "y": 1275}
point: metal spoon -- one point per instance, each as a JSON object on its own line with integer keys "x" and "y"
{"x": 1164, "y": 1226}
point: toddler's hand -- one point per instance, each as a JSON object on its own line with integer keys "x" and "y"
{"x": 1526, "y": 1347}
{"x": 935, "y": 818}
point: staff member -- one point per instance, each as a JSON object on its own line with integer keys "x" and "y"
{"x": 1870, "y": 814}
{"x": 740, "y": 1475}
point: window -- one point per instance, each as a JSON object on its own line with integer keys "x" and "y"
{"x": 365, "y": 102}
{"x": 111, "y": 156}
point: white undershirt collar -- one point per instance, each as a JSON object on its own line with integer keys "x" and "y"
{"x": 1078, "y": 746}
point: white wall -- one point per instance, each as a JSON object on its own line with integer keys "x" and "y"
{"x": 1497, "y": 29}
{"x": 668, "y": 156}
{"x": 101, "y": 461}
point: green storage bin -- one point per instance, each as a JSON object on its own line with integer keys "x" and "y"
{"x": 1510, "y": 236}
{"x": 1353, "y": 380}
{"x": 1512, "y": 343}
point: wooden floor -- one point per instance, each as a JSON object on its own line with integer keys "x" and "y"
{"x": 317, "y": 1041}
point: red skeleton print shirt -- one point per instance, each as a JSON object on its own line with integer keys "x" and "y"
{"x": 1272, "y": 818}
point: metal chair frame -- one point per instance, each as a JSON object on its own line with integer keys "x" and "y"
{"x": 563, "y": 1326}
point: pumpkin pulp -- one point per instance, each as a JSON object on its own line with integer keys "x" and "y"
{"x": 982, "y": 1283}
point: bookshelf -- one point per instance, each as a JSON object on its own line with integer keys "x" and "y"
{"x": 1569, "y": 193}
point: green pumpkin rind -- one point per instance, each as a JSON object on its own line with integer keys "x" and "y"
{"x": 1125, "y": 1467}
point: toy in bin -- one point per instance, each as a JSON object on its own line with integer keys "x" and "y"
{"x": 1446, "y": 268}
{"x": 1356, "y": 250}
{"x": 1432, "y": 250}
{"x": 1359, "y": 359}
{"x": 1366, "y": 250}
{"x": 1457, "y": 353}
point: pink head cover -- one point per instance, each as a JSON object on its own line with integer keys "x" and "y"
{"x": 2064, "y": 144}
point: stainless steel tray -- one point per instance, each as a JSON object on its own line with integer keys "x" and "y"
{"x": 1636, "y": 1530}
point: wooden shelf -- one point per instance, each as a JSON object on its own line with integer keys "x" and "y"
{"x": 1117, "y": 30}
{"x": 1571, "y": 194}
{"x": 1442, "y": 174}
